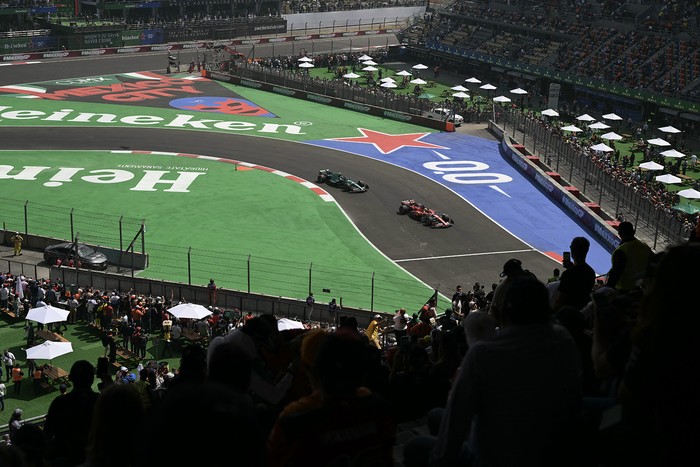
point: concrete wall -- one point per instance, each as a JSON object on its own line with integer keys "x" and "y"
{"x": 114, "y": 256}
{"x": 376, "y": 15}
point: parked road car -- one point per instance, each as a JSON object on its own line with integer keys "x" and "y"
{"x": 338, "y": 180}
{"x": 65, "y": 252}
{"x": 427, "y": 216}
{"x": 443, "y": 114}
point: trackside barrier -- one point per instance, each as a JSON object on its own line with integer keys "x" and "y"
{"x": 559, "y": 190}
{"x": 364, "y": 108}
{"x": 282, "y": 307}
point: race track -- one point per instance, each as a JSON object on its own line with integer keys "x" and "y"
{"x": 474, "y": 249}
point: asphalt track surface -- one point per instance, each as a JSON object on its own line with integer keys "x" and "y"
{"x": 474, "y": 249}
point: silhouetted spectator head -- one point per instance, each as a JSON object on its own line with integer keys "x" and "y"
{"x": 118, "y": 415}
{"x": 200, "y": 415}
{"x": 580, "y": 247}
{"x": 342, "y": 364}
{"x": 31, "y": 441}
{"x": 193, "y": 363}
{"x": 626, "y": 230}
{"x": 229, "y": 366}
{"x": 478, "y": 326}
{"x": 82, "y": 374}
{"x": 527, "y": 302}
{"x": 512, "y": 268}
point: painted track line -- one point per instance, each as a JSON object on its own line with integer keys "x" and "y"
{"x": 466, "y": 255}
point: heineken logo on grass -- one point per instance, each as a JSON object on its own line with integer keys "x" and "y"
{"x": 179, "y": 121}
{"x": 149, "y": 180}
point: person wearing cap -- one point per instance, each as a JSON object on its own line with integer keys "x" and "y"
{"x": 373, "y": 331}
{"x": 17, "y": 240}
{"x": 16, "y": 423}
{"x": 512, "y": 269}
{"x": 629, "y": 260}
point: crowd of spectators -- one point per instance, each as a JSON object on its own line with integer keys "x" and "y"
{"x": 637, "y": 58}
{"x": 317, "y": 396}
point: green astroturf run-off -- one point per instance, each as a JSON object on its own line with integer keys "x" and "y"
{"x": 234, "y": 219}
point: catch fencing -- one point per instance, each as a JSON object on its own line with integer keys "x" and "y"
{"x": 658, "y": 225}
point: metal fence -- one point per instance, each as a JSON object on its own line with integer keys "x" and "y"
{"x": 302, "y": 81}
{"x": 95, "y": 228}
{"x": 658, "y": 225}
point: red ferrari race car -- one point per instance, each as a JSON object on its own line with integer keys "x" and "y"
{"x": 427, "y": 216}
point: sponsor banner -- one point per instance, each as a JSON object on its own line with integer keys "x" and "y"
{"x": 556, "y": 192}
{"x": 18, "y": 57}
{"x": 15, "y": 45}
{"x": 277, "y": 39}
{"x": 188, "y": 34}
{"x": 250, "y": 41}
{"x": 353, "y": 33}
{"x": 128, "y": 50}
{"x": 102, "y": 39}
{"x": 327, "y": 36}
{"x": 142, "y": 37}
{"x": 303, "y": 38}
{"x": 62, "y": 54}
{"x": 43, "y": 42}
{"x": 96, "y": 52}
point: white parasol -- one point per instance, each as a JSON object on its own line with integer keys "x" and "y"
{"x": 612, "y": 117}
{"x": 585, "y": 118}
{"x": 651, "y": 165}
{"x": 419, "y": 66}
{"x": 404, "y": 73}
{"x": 669, "y": 129}
{"x": 389, "y": 85}
{"x": 672, "y": 153}
{"x": 689, "y": 193}
{"x": 658, "y": 142}
{"x": 602, "y": 147}
{"x": 418, "y": 81}
{"x": 518, "y": 91}
{"x": 47, "y": 314}
{"x": 369, "y": 68}
{"x": 459, "y": 88}
{"x": 351, "y": 75}
{"x": 572, "y": 128}
{"x": 550, "y": 113}
{"x": 364, "y": 57}
{"x": 305, "y": 59}
{"x": 667, "y": 178}
{"x": 189, "y": 310}
{"x": 472, "y": 80}
{"x": 611, "y": 136}
{"x": 388, "y": 78}
{"x": 369, "y": 63}
{"x": 49, "y": 350}
{"x": 488, "y": 87}
{"x": 306, "y": 65}
{"x": 284, "y": 324}
{"x": 461, "y": 95}
{"x": 599, "y": 126}
{"x": 501, "y": 99}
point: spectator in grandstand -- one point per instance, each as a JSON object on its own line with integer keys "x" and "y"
{"x": 69, "y": 418}
{"x": 516, "y": 407}
{"x": 578, "y": 277}
{"x": 341, "y": 419}
{"x": 512, "y": 269}
{"x": 660, "y": 410}
{"x": 629, "y": 260}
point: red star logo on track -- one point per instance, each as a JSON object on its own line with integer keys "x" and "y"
{"x": 386, "y": 143}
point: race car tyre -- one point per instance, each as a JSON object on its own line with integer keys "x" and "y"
{"x": 403, "y": 209}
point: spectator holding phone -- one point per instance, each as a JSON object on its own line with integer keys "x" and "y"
{"x": 578, "y": 278}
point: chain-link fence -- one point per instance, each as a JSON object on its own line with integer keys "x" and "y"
{"x": 655, "y": 223}
{"x": 302, "y": 81}
{"x": 94, "y": 228}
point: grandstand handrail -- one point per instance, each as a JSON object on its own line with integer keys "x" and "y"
{"x": 25, "y": 33}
